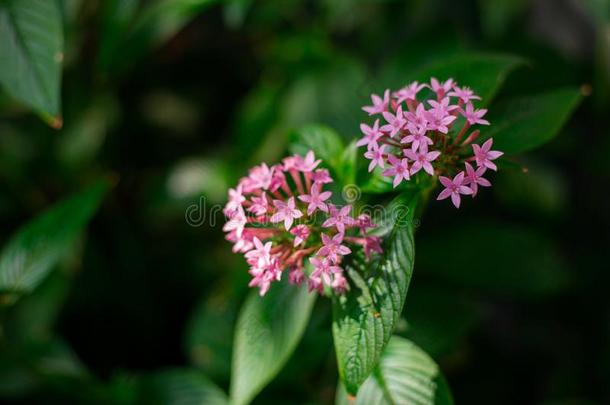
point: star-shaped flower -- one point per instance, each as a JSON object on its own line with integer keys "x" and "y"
{"x": 417, "y": 136}
{"x": 332, "y": 247}
{"x": 441, "y": 88}
{"x": 453, "y": 188}
{"x": 474, "y": 116}
{"x": 340, "y": 218}
{"x": 484, "y": 156}
{"x": 473, "y": 178}
{"x": 379, "y": 104}
{"x": 301, "y": 233}
{"x": 376, "y": 156}
{"x": 465, "y": 94}
{"x": 371, "y": 135}
{"x": 399, "y": 168}
{"x": 408, "y": 93}
{"x": 286, "y": 212}
{"x": 395, "y": 122}
{"x": 316, "y": 199}
{"x": 421, "y": 159}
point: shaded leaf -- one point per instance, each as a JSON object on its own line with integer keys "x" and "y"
{"x": 524, "y": 123}
{"x": 33, "y": 251}
{"x": 405, "y": 375}
{"x": 267, "y": 331}
{"x": 324, "y": 141}
{"x": 181, "y": 387}
{"x": 484, "y": 73}
{"x": 31, "y": 51}
{"x": 364, "y": 319}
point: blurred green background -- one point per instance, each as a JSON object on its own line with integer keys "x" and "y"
{"x": 174, "y": 99}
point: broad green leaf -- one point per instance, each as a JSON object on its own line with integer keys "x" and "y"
{"x": 267, "y": 331}
{"x": 364, "y": 319}
{"x": 33, "y": 251}
{"x": 524, "y": 123}
{"x": 208, "y": 336}
{"x": 484, "y": 73}
{"x": 34, "y": 318}
{"x": 507, "y": 259}
{"x": 181, "y": 387}
{"x": 405, "y": 375}
{"x": 31, "y": 52}
{"x": 324, "y": 141}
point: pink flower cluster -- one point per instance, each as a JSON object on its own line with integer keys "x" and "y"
{"x": 279, "y": 216}
{"x": 425, "y": 136}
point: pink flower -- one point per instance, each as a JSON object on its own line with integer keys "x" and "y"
{"x": 474, "y": 179}
{"x": 439, "y": 120}
{"x": 286, "y": 212}
{"x": 399, "y": 168}
{"x": 324, "y": 269}
{"x": 339, "y": 284}
{"x": 308, "y": 164}
{"x": 372, "y": 244}
{"x": 376, "y": 156}
{"x": 417, "y": 118}
{"x": 441, "y": 88}
{"x": 332, "y": 247}
{"x": 260, "y": 176}
{"x": 260, "y": 255}
{"x": 371, "y": 135}
{"x": 408, "y": 93}
{"x": 236, "y": 198}
{"x": 321, "y": 176}
{"x": 453, "y": 188}
{"x": 263, "y": 277}
{"x": 417, "y": 137}
{"x": 483, "y": 155}
{"x": 395, "y": 122}
{"x": 339, "y": 218}
{"x": 474, "y": 116}
{"x": 260, "y": 205}
{"x": 296, "y": 276}
{"x": 236, "y": 223}
{"x": 422, "y": 159}
{"x": 465, "y": 94}
{"x": 260, "y": 227}
{"x": 379, "y": 105}
{"x": 301, "y": 233}
{"x": 442, "y": 107}
{"x": 364, "y": 222}
{"x": 316, "y": 199}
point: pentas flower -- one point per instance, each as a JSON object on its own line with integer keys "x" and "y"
{"x": 281, "y": 219}
{"x": 430, "y": 135}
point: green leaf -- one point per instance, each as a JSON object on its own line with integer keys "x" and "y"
{"x": 524, "y": 123}
{"x": 180, "y": 387}
{"x": 31, "y": 51}
{"x": 267, "y": 332}
{"x": 33, "y": 251}
{"x": 405, "y": 375}
{"x": 324, "y": 141}
{"x": 364, "y": 319}
{"x": 484, "y": 73}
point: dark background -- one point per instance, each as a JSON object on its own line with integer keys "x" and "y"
{"x": 510, "y": 293}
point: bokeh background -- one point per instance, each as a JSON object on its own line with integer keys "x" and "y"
{"x": 509, "y": 295}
